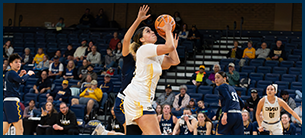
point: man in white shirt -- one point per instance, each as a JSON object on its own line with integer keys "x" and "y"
{"x": 80, "y": 51}
{"x": 262, "y": 52}
{"x": 94, "y": 57}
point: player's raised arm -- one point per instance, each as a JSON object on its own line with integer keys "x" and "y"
{"x": 141, "y": 16}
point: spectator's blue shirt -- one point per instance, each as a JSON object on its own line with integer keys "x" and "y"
{"x": 12, "y": 83}
{"x": 106, "y": 87}
{"x": 206, "y": 111}
{"x": 62, "y": 93}
{"x": 290, "y": 130}
{"x": 248, "y": 129}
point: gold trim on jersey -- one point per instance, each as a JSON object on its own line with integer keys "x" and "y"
{"x": 18, "y": 107}
{"x": 139, "y": 110}
{"x": 151, "y": 74}
{"x": 121, "y": 106}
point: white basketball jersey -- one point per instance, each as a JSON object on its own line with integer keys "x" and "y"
{"x": 148, "y": 71}
{"x": 271, "y": 112}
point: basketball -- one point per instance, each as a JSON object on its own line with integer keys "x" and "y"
{"x": 160, "y": 23}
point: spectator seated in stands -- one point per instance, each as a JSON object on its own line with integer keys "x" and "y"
{"x": 43, "y": 84}
{"x": 50, "y": 99}
{"x": 7, "y": 49}
{"x": 251, "y": 104}
{"x": 29, "y": 110}
{"x": 101, "y": 19}
{"x": 262, "y": 52}
{"x": 69, "y": 53}
{"x": 66, "y": 122}
{"x": 109, "y": 59}
{"x": 235, "y": 52}
{"x": 79, "y": 53}
{"x": 178, "y": 21}
{"x": 204, "y": 109}
{"x": 83, "y": 69}
{"x": 107, "y": 85}
{"x": 290, "y": 102}
{"x": 199, "y": 77}
{"x": 233, "y": 75}
{"x": 43, "y": 65}
{"x": 48, "y": 119}
{"x": 166, "y": 97}
{"x": 192, "y": 106}
{"x": 195, "y": 36}
{"x": 89, "y": 97}
{"x": 28, "y": 124}
{"x": 62, "y": 94}
{"x": 5, "y": 62}
{"x": 118, "y": 54}
{"x": 86, "y": 83}
{"x": 297, "y": 110}
{"x": 249, "y": 53}
{"x": 94, "y": 57}
{"x": 181, "y": 101}
{"x": 211, "y": 80}
{"x": 61, "y": 59}
{"x": 87, "y": 20}
{"x": 38, "y": 57}
{"x": 113, "y": 123}
{"x": 56, "y": 68}
{"x": 288, "y": 128}
{"x": 278, "y": 52}
{"x": 70, "y": 72}
{"x": 89, "y": 49}
{"x": 61, "y": 23}
{"x": 183, "y": 34}
{"x": 89, "y": 72}
{"x": 27, "y": 57}
{"x": 114, "y": 41}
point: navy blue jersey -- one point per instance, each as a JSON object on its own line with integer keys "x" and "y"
{"x": 201, "y": 130}
{"x": 167, "y": 125}
{"x": 229, "y": 98}
{"x": 12, "y": 83}
{"x": 290, "y": 130}
{"x": 127, "y": 71}
{"x": 255, "y": 128}
{"x": 69, "y": 73}
{"x": 248, "y": 129}
{"x": 184, "y": 129}
{"x": 54, "y": 69}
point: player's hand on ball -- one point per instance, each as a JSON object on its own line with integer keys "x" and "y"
{"x": 176, "y": 40}
{"x": 31, "y": 73}
{"x": 167, "y": 25}
{"x": 142, "y": 12}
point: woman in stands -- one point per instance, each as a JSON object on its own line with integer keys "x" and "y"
{"x": 231, "y": 120}
{"x": 159, "y": 110}
{"x": 48, "y": 119}
{"x": 248, "y": 126}
{"x": 70, "y": 72}
{"x": 7, "y": 49}
{"x": 150, "y": 60}
{"x": 167, "y": 120}
{"x": 204, "y": 125}
{"x": 186, "y": 124}
{"x": 271, "y": 106}
{"x": 12, "y": 113}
